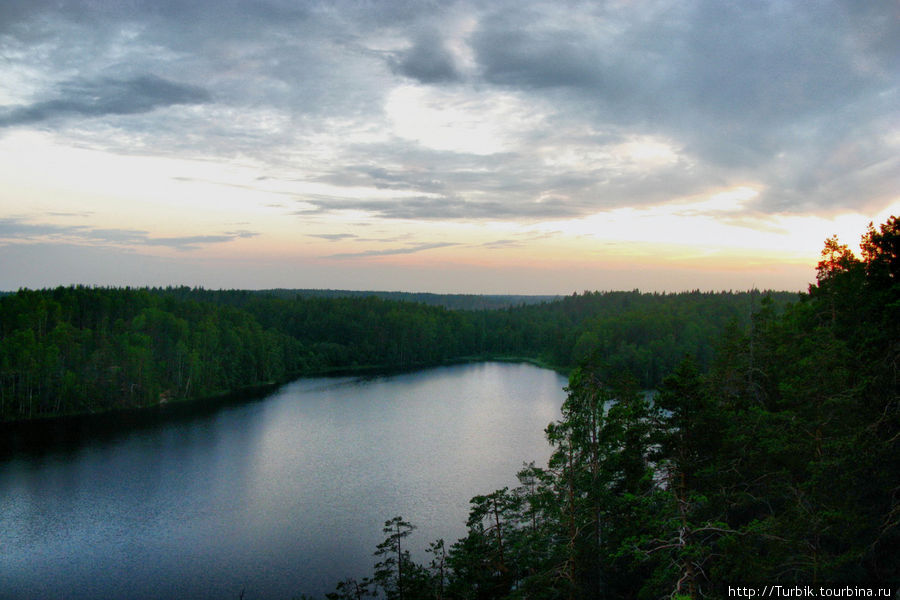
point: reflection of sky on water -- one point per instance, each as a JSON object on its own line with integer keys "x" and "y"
{"x": 282, "y": 496}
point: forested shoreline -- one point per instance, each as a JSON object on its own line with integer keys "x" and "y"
{"x": 767, "y": 456}
{"x": 777, "y": 466}
{"x": 75, "y": 350}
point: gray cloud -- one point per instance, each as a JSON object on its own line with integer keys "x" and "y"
{"x": 333, "y": 237}
{"x": 19, "y": 230}
{"x": 427, "y": 61}
{"x": 499, "y": 244}
{"x": 107, "y": 97}
{"x": 710, "y": 58}
{"x": 449, "y": 208}
{"x": 13, "y": 228}
{"x": 457, "y": 186}
{"x": 746, "y": 88}
{"x": 797, "y": 99}
{"x": 190, "y": 242}
{"x": 512, "y": 56}
{"x": 393, "y": 251}
{"x": 81, "y": 214}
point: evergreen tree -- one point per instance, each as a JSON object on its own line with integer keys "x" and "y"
{"x": 395, "y": 573}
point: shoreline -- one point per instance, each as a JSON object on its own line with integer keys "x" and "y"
{"x": 256, "y": 391}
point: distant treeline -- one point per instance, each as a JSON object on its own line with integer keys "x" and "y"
{"x": 775, "y": 473}
{"x": 452, "y": 301}
{"x": 86, "y": 349}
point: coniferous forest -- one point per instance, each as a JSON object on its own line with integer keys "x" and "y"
{"x": 768, "y": 451}
{"x": 74, "y": 350}
{"x": 777, "y": 465}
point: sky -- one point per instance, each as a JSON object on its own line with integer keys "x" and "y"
{"x": 513, "y": 147}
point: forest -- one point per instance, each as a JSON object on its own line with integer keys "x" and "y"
{"x": 77, "y": 350}
{"x": 455, "y": 301}
{"x": 776, "y": 466}
{"x": 708, "y": 440}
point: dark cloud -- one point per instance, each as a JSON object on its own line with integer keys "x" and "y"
{"x": 747, "y": 88}
{"x": 799, "y": 100}
{"x": 539, "y": 59}
{"x": 726, "y": 60}
{"x": 15, "y": 12}
{"x": 107, "y": 96}
{"x": 427, "y": 61}
{"x": 186, "y": 15}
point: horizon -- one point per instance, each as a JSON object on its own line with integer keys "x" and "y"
{"x": 463, "y": 148}
{"x": 375, "y": 292}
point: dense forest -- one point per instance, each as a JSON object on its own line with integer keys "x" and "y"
{"x": 75, "y": 350}
{"x": 776, "y": 466}
{"x": 454, "y": 301}
{"x": 766, "y": 455}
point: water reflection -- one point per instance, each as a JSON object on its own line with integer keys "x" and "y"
{"x": 279, "y": 496}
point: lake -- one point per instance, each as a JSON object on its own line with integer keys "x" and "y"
{"x": 278, "y": 496}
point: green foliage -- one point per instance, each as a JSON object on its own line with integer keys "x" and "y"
{"x": 776, "y": 466}
{"x": 769, "y": 453}
{"x": 395, "y": 573}
{"x": 351, "y": 589}
{"x": 79, "y": 349}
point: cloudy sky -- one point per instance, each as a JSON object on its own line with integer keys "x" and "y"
{"x": 479, "y": 147}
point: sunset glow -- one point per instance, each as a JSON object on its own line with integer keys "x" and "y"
{"x": 479, "y": 148}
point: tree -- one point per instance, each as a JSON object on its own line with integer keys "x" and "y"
{"x": 683, "y": 516}
{"x": 438, "y": 567}
{"x": 395, "y": 573}
{"x": 351, "y": 589}
{"x": 600, "y": 467}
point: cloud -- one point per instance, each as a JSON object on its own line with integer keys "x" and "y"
{"x": 449, "y": 208}
{"x": 14, "y": 228}
{"x": 393, "y": 251}
{"x": 558, "y": 177}
{"x": 427, "y": 61}
{"x": 334, "y": 237}
{"x": 761, "y": 90}
{"x": 192, "y": 242}
{"x": 81, "y": 214}
{"x": 107, "y": 96}
{"x": 799, "y": 101}
{"x": 19, "y": 230}
{"x": 500, "y": 244}
{"x": 511, "y": 54}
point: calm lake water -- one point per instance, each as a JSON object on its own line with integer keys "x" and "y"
{"x": 279, "y": 496}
